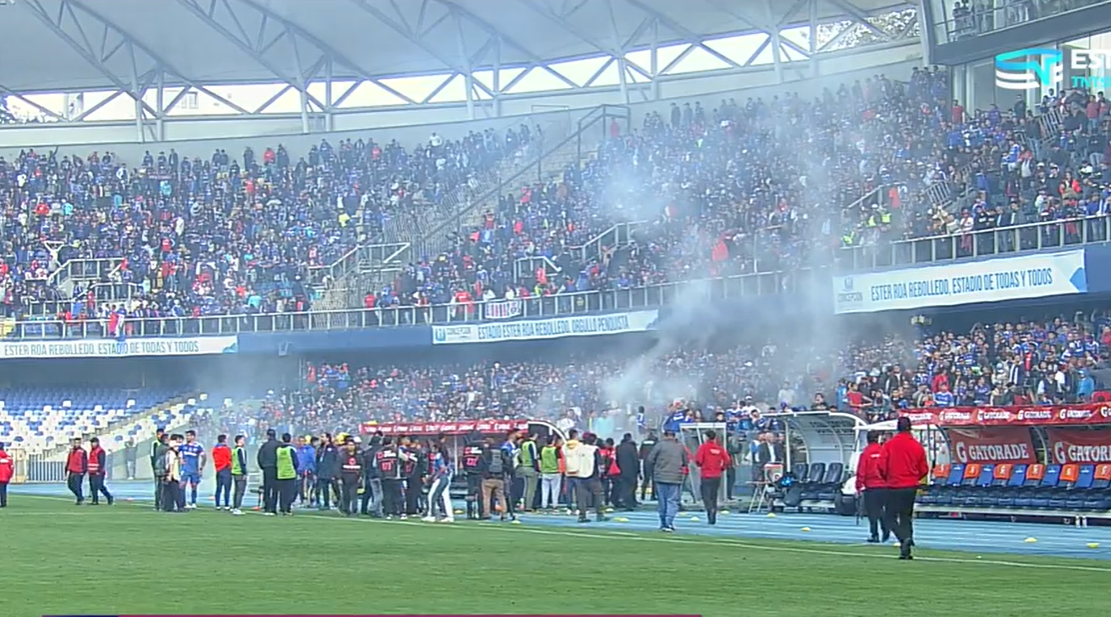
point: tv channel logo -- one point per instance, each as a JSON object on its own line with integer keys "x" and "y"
{"x": 1027, "y": 69}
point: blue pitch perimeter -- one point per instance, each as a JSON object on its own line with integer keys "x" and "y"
{"x": 954, "y": 535}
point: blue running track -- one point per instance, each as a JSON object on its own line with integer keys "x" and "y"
{"x": 976, "y": 537}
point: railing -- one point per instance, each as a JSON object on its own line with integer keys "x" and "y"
{"x": 427, "y": 225}
{"x": 1005, "y": 241}
{"x": 545, "y": 306}
{"x": 986, "y": 243}
{"x": 434, "y": 239}
{"x": 619, "y": 235}
{"x": 525, "y": 267}
{"x": 977, "y": 20}
{"x": 84, "y": 270}
{"x": 352, "y": 261}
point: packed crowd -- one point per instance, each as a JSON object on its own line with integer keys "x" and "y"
{"x": 707, "y": 192}
{"x": 725, "y": 191}
{"x": 731, "y": 178}
{"x": 224, "y": 235}
{"x": 1006, "y": 363}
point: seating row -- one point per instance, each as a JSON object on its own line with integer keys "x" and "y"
{"x": 1069, "y": 488}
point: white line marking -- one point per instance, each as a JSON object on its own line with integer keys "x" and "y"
{"x": 700, "y": 541}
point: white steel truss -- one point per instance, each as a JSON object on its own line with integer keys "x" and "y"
{"x": 482, "y": 65}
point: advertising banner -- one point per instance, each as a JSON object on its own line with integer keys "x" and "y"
{"x": 508, "y": 309}
{"x": 991, "y": 280}
{"x": 86, "y": 348}
{"x": 1089, "y": 414}
{"x": 1079, "y": 446}
{"x": 991, "y": 445}
{"x": 540, "y": 329}
{"x": 461, "y": 427}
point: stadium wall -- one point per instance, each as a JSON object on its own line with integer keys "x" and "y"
{"x": 200, "y": 136}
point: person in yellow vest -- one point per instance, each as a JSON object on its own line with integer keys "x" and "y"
{"x": 529, "y": 470}
{"x": 551, "y": 473}
{"x": 238, "y": 474}
{"x": 286, "y": 475}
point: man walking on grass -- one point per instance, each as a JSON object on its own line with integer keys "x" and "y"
{"x": 77, "y": 463}
{"x": 668, "y": 460}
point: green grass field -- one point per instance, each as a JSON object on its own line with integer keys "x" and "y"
{"x": 58, "y": 558}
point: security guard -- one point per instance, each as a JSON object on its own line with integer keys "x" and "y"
{"x": 371, "y": 502}
{"x": 351, "y": 471}
{"x": 286, "y": 474}
{"x": 472, "y": 466}
{"x": 239, "y": 474}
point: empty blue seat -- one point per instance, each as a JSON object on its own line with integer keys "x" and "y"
{"x": 1046, "y": 487}
{"x": 944, "y": 492}
{"x": 1078, "y": 492}
{"x": 1006, "y": 497}
{"x": 973, "y": 495}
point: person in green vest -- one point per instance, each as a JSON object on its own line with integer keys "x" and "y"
{"x": 529, "y": 470}
{"x": 239, "y": 474}
{"x": 551, "y": 475}
{"x": 286, "y": 474}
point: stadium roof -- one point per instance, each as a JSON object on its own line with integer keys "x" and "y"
{"x": 131, "y": 45}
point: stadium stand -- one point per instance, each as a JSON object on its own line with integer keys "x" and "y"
{"x": 694, "y": 201}
{"x": 172, "y": 236}
{"x": 39, "y": 420}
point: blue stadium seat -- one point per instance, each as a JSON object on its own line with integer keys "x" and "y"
{"x": 945, "y": 491}
{"x": 800, "y": 470}
{"x": 1009, "y": 492}
{"x": 1098, "y": 498}
{"x": 830, "y": 486}
{"x": 974, "y": 494}
{"x": 1078, "y": 492}
{"x": 810, "y": 487}
{"x": 1046, "y": 487}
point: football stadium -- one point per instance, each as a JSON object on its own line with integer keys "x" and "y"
{"x": 419, "y": 307}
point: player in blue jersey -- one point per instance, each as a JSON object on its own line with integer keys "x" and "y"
{"x": 192, "y": 465}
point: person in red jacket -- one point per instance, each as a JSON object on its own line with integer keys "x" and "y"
{"x": 97, "y": 465}
{"x": 7, "y": 469}
{"x": 77, "y": 464}
{"x": 712, "y": 460}
{"x": 871, "y": 486}
{"x": 902, "y": 465}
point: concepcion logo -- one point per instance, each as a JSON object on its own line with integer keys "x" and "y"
{"x": 1027, "y": 69}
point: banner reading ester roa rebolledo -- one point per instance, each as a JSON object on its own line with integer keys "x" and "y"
{"x": 990, "y": 280}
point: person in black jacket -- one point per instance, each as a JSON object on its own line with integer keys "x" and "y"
{"x": 371, "y": 502}
{"x": 327, "y": 472}
{"x": 267, "y": 461}
{"x": 415, "y": 471}
{"x": 628, "y": 461}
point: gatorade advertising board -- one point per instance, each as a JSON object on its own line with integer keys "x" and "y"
{"x": 991, "y": 445}
{"x": 1069, "y": 445}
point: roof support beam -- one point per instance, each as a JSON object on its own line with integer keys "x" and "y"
{"x": 859, "y": 17}
{"x": 296, "y": 81}
{"x": 83, "y": 48}
{"x": 326, "y": 49}
{"x": 691, "y": 37}
{"x": 602, "y": 47}
{"x": 536, "y": 62}
{"x": 39, "y": 108}
{"x": 728, "y": 9}
{"x": 405, "y": 31}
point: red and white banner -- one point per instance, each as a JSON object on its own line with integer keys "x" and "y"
{"x": 507, "y": 309}
{"x": 448, "y": 428}
{"x": 1079, "y": 446}
{"x": 991, "y": 445}
{"x": 1090, "y": 414}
